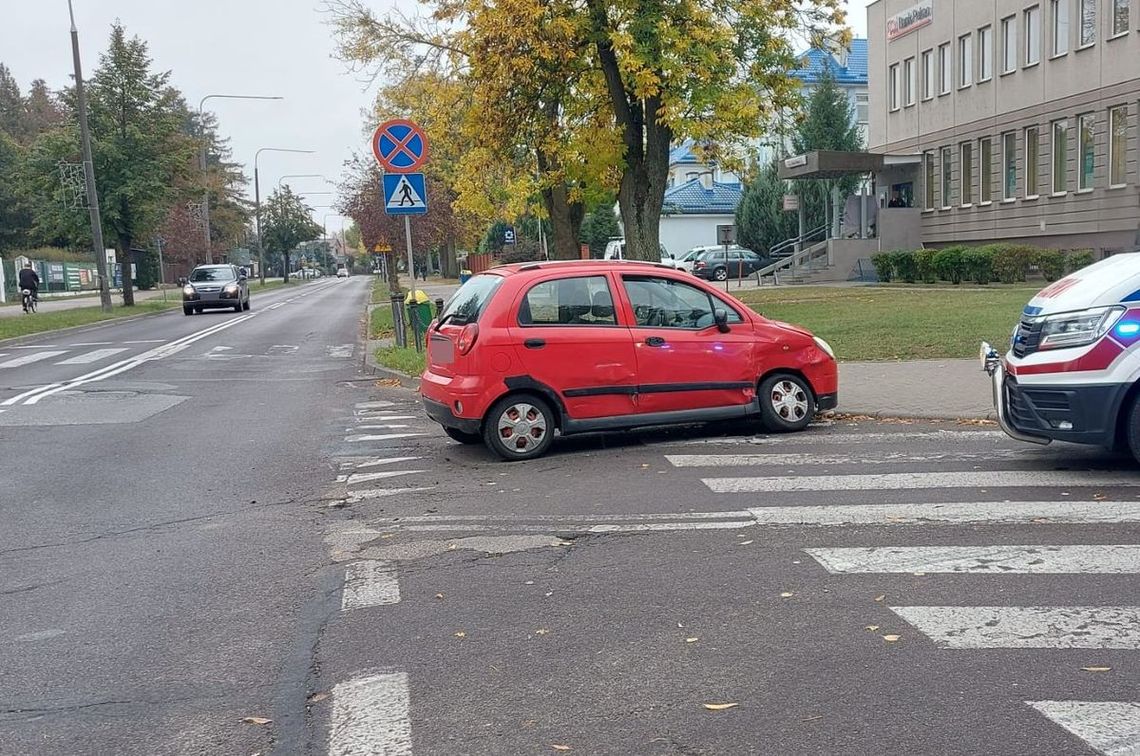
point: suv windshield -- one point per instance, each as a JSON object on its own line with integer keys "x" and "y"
{"x": 467, "y": 304}
{"x": 212, "y": 274}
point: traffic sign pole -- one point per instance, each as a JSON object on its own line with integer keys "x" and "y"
{"x": 411, "y": 260}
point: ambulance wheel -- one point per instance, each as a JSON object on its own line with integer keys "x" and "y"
{"x": 1132, "y": 432}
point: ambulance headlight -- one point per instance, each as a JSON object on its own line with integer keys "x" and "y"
{"x": 1074, "y": 329}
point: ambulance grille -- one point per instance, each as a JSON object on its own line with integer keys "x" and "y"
{"x": 1028, "y": 337}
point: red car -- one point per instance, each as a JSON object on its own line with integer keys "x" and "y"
{"x": 524, "y": 351}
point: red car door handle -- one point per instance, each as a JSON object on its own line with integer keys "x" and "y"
{"x": 534, "y": 343}
{"x": 655, "y": 341}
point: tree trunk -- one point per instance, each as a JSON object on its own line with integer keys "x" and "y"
{"x": 128, "y": 280}
{"x": 450, "y": 266}
{"x": 565, "y": 222}
{"x": 285, "y": 266}
{"x": 392, "y": 260}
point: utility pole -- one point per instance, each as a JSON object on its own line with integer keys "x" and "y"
{"x": 89, "y": 171}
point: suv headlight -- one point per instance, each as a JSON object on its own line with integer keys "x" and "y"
{"x": 1074, "y": 329}
{"x": 232, "y": 289}
{"x": 188, "y": 290}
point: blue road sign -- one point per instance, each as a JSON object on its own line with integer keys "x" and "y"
{"x": 405, "y": 194}
{"x": 400, "y": 146}
{"x": 509, "y": 236}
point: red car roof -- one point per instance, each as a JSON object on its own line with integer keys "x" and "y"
{"x": 579, "y": 266}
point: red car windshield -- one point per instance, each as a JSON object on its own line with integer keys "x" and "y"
{"x": 467, "y": 304}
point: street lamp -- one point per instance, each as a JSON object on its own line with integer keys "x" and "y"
{"x": 205, "y": 182}
{"x": 281, "y": 181}
{"x": 257, "y": 204}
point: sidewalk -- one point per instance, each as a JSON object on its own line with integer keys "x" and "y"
{"x": 54, "y": 304}
{"x": 922, "y": 388}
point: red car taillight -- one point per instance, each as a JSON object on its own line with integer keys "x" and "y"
{"x": 467, "y": 338}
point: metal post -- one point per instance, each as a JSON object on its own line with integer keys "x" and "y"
{"x": 398, "y": 319}
{"x": 725, "y": 268}
{"x": 257, "y": 222}
{"x": 205, "y": 194}
{"x": 439, "y": 306}
{"x": 89, "y": 171}
{"x": 411, "y": 260}
{"x": 161, "y": 269}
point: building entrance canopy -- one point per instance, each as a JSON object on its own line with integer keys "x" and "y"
{"x": 830, "y": 164}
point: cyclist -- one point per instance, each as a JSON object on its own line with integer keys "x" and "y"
{"x": 29, "y": 281}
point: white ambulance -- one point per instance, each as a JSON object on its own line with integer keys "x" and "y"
{"x": 1072, "y": 370}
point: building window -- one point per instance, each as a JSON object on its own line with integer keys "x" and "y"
{"x": 928, "y": 179}
{"x": 947, "y": 175}
{"x": 894, "y": 86}
{"x": 967, "y": 169}
{"x": 862, "y": 108}
{"x": 1032, "y": 154}
{"x": 1120, "y": 17}
{"x": 986, "y": 169}
{"x": 928, "y": 74}
{"x": 1032, "y": 35}
{"x": 909, "y": 82}
{"x": 1060, "y": 11}
{"x": 944, "y": 68}
{"x": 985, "y": 53}
{"x": 1060, "y": 156}
{"x": 1009, "y": 165}
{"x": 1088, "y": 22}
{"x": 1008, "y": 44}
{"x": 965, "y": 60}
{"x": 1118, "y": 146}
{"x": 1085, "y": 127}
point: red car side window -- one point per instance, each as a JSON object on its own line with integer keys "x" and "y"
{"x": 577, "y": 301}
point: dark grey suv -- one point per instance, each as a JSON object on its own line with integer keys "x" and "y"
{"x": 215, "y": 286}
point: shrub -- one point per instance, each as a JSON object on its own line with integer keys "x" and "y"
{"x": 525, "y": 250}
{"x": 978, "y": 264}
{"x": 904, "y": 265}
{"x": 950, "y": 264}
{"x": 1051, "y": 262}
{"x": 884, "y": 266}
{"x": 924, "y": 264}
{"x": 1012, "y": 261}
{"x": 1079, "y": 259}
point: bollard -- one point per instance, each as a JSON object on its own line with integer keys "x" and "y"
{"x": 398, "y": 320}
{"x": 414, "y": 319}
{"x": 439, "y": 306}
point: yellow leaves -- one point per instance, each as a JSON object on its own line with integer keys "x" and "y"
{"x": 720, "y": 706}
{"x": 256, "y": 720}
{"x": 891, "y": 638}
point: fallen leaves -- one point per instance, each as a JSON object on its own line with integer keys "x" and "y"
{"x": 541, "y": 631}
{"x": 318, "y": 697}
{"x": 256, "y": 720}
{"x": 460, "y": 634}
{"x": 891, "y": 638}
{"x": 787, "y": 594}
{"x": 389, "y": 382}
{"x": 1096, "y": 669}
{"x": 560, "y": 747}
{"x": 881, "y": 597}
{"x": 871, "y": 628}
{"x": 439, "y": 595}
{"x": 694, "y": 639}
{"x": 745, "y": 543}
{"x": 720, "y": 706}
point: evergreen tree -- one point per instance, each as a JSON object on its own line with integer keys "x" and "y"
{"x": 600, "y": 225}
{"x": 761, "y": 221}
{"x": 11, "y": 105}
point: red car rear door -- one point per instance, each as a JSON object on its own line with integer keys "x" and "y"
{"x": 683, "y": 360}
{"x": 569, "y": 337}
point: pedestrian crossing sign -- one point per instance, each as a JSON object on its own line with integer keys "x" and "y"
{"x": 405, "y": 194}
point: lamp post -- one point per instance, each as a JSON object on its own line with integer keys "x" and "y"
{"x": 281, "y": 181}
{"x": 89, "y": 171}
{"x": 257, "y": 204}
{"x": 205, "y": 179}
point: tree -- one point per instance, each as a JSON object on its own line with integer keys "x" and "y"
{"x": 828, "y": 124}
{"x": 11, "y": 105}
{"x": 43, "y": 110}
{"x": 15, "y": 220}
{"x": 140, "y": 149}
{"x": 599, "y": 227}
{"x": 761, "y": 221}
{"x": 286, "y": 223}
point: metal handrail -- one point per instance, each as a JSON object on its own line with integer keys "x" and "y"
{"x": 794, "y": 260}
{"x": 807, "y": 236}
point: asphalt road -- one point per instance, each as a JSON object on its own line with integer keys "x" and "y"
{"x": 282, "y": 537}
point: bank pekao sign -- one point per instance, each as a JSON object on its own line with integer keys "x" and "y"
{"x": 911, "y": 19}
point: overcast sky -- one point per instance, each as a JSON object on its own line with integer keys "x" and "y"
{"x": 256, "y": 47}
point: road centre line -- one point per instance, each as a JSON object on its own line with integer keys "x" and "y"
{"x": 1110, "y": 727}
{"x": 973, "y": 627}
{"x": 370, "y": 583}
{"x": 370, "y": 715}
{"x": 986, "y": 479}
{"x": 1111, "y": 559}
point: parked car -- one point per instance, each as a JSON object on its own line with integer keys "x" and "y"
{"x": 342, "y": 272}
{"x": 615, "y": 250}
{"x": 715, "y": 264}
{"x": 524, "y": 352}
{"x": 213, "y": 287}
{"x": 686, "y": 261}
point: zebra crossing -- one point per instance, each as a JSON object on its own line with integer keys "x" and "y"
{"x": 81, "y": 354}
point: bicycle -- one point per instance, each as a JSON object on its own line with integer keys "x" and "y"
{"x": 29, "y": 301}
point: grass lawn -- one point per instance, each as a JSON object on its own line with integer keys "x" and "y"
{"x": 893, "y": 323}
{"x": 41, "y": 322}
{"x": 381, "y": 326}
{"x": 405, "y": 359}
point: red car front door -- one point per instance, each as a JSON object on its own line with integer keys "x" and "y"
{"x": 683, "y": 360}
{"x": 568, "y": 337}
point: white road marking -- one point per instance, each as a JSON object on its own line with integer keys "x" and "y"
{"x": 367, "y": 417}
{"x": 340, "y": 351}
{"x": 1003, "y": 560}
{"x": 279, "y": 304}
{"x": 739, "y": 514}
{"x": 894, "y": 481}
{"x": 357, "y": 478}
{"x": 35, "y": 346}
{"x": 1070, "y": 512}
{"x": 388, "y": 461}
{"x": 802, "y": 439}
{"x": 802, "y": 460}
{"x": 369, "y": 583}
{"x": 653, "y": 526}
{"x": 370, "y": 716}
{"x": 98, "y": 354}
{"x": 146, "y": 341}
{"x": 381, "y": 437}
{"x": 31, "y": 357}
{"x": 92, "y": 343}
{"x": 379, "y": 404}
{"x": 380, "y": 493}
{"x": 1110, "y": 727}
{"x": 1091, "y": 627}
{"x": 393, "y": 426}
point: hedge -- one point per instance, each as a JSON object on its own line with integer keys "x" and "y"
{"x": 1008, "y": 263}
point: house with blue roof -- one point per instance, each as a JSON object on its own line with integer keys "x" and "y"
{"x": 693, "y": 212}
{"x": 849, "y": 69}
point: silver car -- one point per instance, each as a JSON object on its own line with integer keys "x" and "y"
{"x": 213, "y": 287}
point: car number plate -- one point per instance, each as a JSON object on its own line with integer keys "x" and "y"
{"x": 442, "y": 350}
